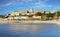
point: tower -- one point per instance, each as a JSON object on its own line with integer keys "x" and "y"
{"x": 31, "y": 10}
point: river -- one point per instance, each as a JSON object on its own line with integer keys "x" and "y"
{"x": 29, "y": 30}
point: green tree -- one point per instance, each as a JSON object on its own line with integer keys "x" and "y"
{"x": 38, "y": 14}
{"x": 58, "y": 13}
{"x": 1, "y": 16}
{"x": 50, "y": 15}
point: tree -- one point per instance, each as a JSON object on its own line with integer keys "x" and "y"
{"x": 50, "y": 15}
{"x": 38, "y": 14}
{"x": 1, "y": 16}
{"x": 27, "y": 11}
{"x": 58, "y": 13}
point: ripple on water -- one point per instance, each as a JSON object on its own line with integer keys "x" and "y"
{"x": 29, "y": 30}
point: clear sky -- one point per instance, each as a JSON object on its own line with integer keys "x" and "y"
{"x": 8, "y": 6}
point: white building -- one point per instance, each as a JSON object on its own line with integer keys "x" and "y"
{"x": 41, "y": 11}
{"x": 15, "y": 13}
{"x": 37, "y": 17}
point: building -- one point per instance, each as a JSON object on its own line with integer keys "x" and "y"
{"x": 23, "y": 11}
{"x": 36, "y": 17}
{"x": 10, "y": 18}
{"x": 15, "y": 14}
{"x": 40, "y": 11}
{"x": 24, "y": 17}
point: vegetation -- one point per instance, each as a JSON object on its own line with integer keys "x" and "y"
{"x": 1, "y": 16}
{"x": 38, "y": 14}
{"x": 58, "y": 13}
{"x": 50, "y": 16}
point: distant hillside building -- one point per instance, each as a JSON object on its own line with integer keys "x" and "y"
{"x": 15, "y": 14}
{"x": 40, "y": 11}
{"x": 23, "y": 12}
{"x": 36, "y": 17}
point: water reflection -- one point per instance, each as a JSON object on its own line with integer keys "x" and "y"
{"x": 29, "y": 30}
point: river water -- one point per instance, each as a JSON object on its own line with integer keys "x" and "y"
{"x": 29, "y": 30}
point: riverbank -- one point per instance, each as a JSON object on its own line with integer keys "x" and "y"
{"x": 29, "y": 21}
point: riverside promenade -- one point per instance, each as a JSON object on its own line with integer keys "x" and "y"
{"x": 29, "y": 21}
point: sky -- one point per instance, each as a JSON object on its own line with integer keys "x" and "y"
{"x": 9, "y": 6}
